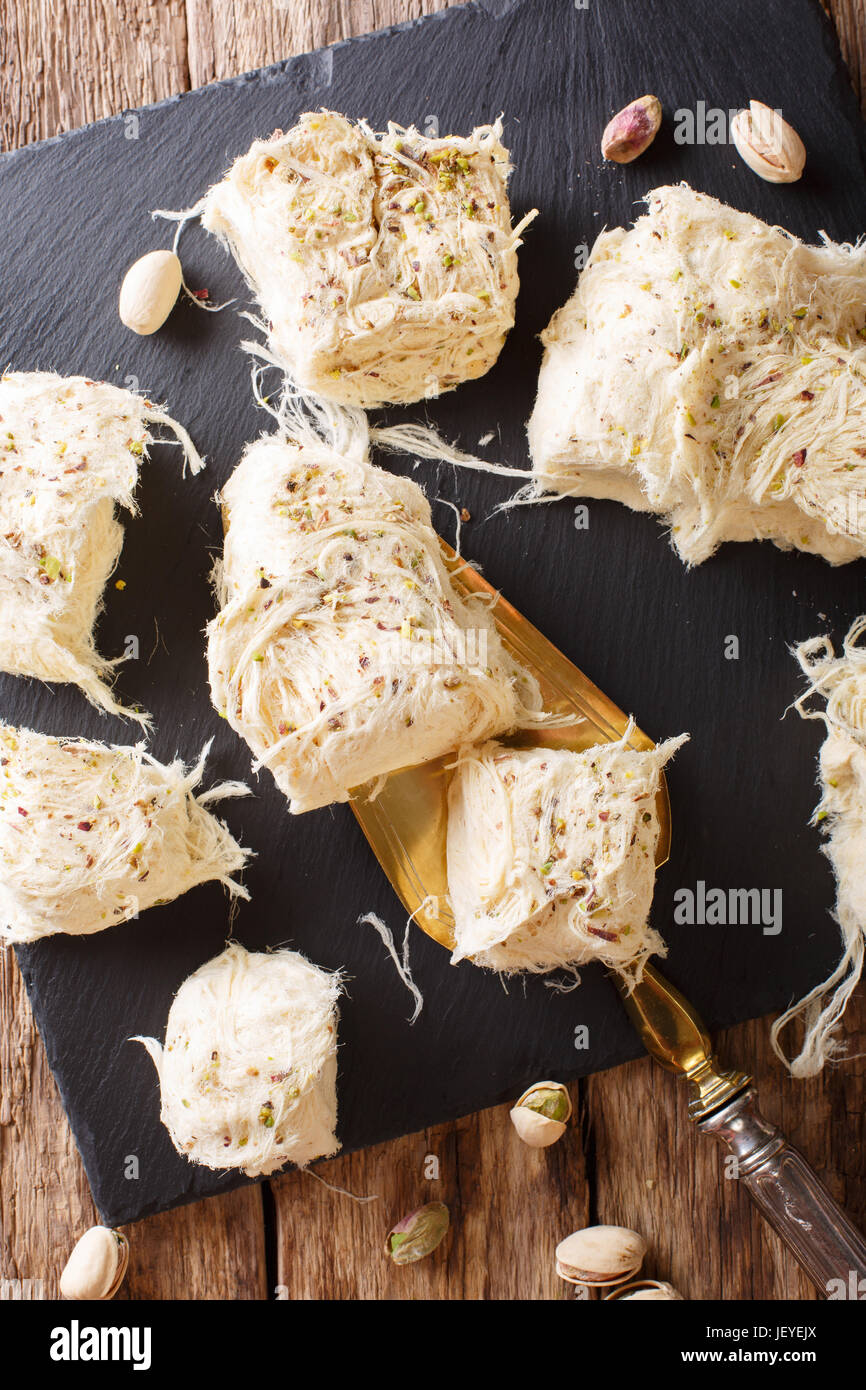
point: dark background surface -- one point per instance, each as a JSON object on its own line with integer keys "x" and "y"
{"x": 614, "y": 598}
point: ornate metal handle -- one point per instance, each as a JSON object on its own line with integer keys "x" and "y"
{"x": 791, "y": 1197}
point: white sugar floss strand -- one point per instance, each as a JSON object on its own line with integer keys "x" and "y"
{"x": 840, "y": 682}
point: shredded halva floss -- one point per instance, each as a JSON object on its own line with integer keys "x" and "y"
{"x": 551, "y": 855}
{"x": 841, "y": 812}
{"x": 70, "y": 451}
{"x": 342, "y": 650}
{"x": 385, "y": 264}
{"x": 712, "y": 369}
{"x": 248, "y": 1070}
{"x": 92, "y": 835}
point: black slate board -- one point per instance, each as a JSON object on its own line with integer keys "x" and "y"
{"x": 74, "y": 213}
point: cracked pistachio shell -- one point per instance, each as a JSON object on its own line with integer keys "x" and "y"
{"x": 536, "y": 1131}
{"x": 600, "y": 1255}
{"x": 541, "y": 1114}
{"x": 418, "y": 1234}
{"x": 646, "y": 1291}
{"x": 770, "y": 147}
{"x": 97, "y": 1265}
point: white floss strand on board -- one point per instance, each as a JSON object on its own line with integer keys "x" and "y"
{"x": 401, "y": 962}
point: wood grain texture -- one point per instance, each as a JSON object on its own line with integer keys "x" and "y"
{"x": 45, "y": 1202}
{"x": 652, "y": 1170}
{"x": 498, "y": 1192}
{"x": 631, "y": 1155}
{"x": 213, "y": 1250}
{"x": 66, "y": 62}
{"x": 44, "y": 1197}
{"x": 233, "y": 36}
{"x": 849, "y": 18}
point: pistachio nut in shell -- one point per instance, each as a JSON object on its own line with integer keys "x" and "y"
{"x": 770, "y": 147}
{"x": 97, "y": 1265}
{"x": 645, "y": 1291}
{"x": 541, "y": 1114}
{"x": 600, "y": 1255}
{"x": 632, "y": 130}
{"x": 418, "y": 1234}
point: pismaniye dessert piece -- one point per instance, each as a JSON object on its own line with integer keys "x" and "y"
{"x": 385, "y": 265}
{"x": 342, "y": 650}
{"x": 92, "y": 835}
{"x": 840, "y": 682}
{"x": 712, "y": 369}
{"x": 551, "y": 855}
{"x": 248, "y": 1070}
{"x": 70, "y": 451}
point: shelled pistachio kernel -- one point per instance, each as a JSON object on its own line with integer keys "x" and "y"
{"x": 600, "y": 1255}
{"x": 149, "y": 291}
{"x": 632, "y": 130}
{"x": 96, "y": 1268}
{"x": 418, "y": 1234}
{"x": 542, "y": 1113}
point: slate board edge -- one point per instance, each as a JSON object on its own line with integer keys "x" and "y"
{"x": 492, "y": 9}
{"x": 850, "y": 106}
{"x": 235, "y": 1180}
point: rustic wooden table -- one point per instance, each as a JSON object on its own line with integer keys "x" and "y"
{"x": 631, "y": 1156}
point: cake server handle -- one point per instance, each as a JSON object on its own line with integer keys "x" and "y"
{"x": 791, "y": 1197}
{"x": 723, "y": 1103}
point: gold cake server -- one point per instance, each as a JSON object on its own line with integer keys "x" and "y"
{"x": 406, "y": 827}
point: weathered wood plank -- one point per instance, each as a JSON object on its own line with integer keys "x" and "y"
{"x": 210, "y": 1250}
{"x": 66, "y": 62}
{"x": 44, "y": 1197}
{"x": 849, "y": 17}
{"x": 46, "y": 1204}
{"x": 654, "y": 1172}
{"x": 509, "y": 1206}
{"x": 232, "y": 36}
